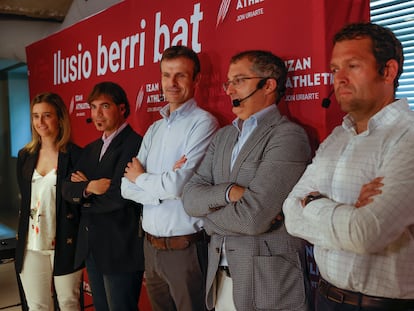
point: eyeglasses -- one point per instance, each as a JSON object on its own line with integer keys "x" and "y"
{"x": 237, "y": 82}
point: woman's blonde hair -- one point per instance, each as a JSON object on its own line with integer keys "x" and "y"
{"x": 63, "y": 137}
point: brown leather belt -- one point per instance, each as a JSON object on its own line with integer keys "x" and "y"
{"x": 176, "y": 242}
{"x": 357, "y": 299}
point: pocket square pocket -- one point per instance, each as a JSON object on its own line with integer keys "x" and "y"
{"x": 278, "y": 282}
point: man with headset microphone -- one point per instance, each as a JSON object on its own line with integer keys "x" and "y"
{"x": 239, "y": 188}
{"x": 237, "y": 101}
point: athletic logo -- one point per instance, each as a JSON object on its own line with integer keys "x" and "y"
{"x": 224, "y": 8}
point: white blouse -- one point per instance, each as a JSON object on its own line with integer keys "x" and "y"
{"x": 42, "y": 222}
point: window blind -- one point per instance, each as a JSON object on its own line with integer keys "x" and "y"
{"x": 399, "y": 17}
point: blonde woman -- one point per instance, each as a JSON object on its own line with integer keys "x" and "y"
{"x": 48, "y": 225}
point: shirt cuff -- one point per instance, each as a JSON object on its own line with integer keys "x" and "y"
{"x": 228, "y": 192}
{"x": 86, "y": 194}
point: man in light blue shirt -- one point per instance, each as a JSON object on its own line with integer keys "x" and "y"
{"x": 176, "y": 245}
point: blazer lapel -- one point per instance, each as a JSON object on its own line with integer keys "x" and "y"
{"x": 62, "y": 170}
{"x": 228, "y": 145}
{"x": 264, "y": 126}
{"x": 116, "y": 142}
{"x": 29, "y": 166}
{"x": 63, "y": 164}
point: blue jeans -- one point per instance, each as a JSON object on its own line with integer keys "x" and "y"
{"x": 113, "y": 292}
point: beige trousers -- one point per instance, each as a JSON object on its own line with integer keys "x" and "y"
{"x": 36, "y": 277}
{"x": 224, "y": 298}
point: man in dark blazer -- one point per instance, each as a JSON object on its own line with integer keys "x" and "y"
{"x": 239, "y": 188}
{"x": 108, "y": 240}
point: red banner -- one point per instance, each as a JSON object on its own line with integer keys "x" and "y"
{"x": 124, "y": 44}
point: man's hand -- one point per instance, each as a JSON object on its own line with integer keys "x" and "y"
{"x": 368, "y": 191}
{"x": 133, "y": 170}
{"x": 179, "y": 163}
{"x": 78, "y": 176}
{"x": 98, "y": 186}
{"x": 236, "y": 192}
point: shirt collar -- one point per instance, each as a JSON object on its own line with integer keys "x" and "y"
{"x": 254, "y": 119}
{"x": 386, "y": 115}
{"x": 108, "y": 139}
{"x": 182, "y": 110}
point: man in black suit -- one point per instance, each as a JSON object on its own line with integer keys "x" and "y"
{"x": 108, "y": 237}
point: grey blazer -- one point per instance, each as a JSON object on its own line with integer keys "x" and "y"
{"x": 267, "y": 265}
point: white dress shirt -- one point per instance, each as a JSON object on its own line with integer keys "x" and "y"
{"x": 368, "y": 249}
{"x": 187, "y": 131}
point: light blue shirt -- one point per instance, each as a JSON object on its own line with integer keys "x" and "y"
{"x": 186, "y": 131}
{"x": 246, "y": 128}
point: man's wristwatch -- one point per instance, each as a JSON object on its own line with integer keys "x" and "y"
{"x": 312, "y": 197}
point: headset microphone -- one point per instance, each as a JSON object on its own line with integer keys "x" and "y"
{"x": 88, "y": 120}
{"x": 326, "y": 102}
{"x": 260, "y": 84}
{"x": 236, "y": 102}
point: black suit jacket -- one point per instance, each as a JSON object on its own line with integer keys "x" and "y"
{"x": 67, "y": 214}
{"x": 110, "y": 225}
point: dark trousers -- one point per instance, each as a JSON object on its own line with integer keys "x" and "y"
{"x": 324, "y": 304}
{"x": 175, "y": 279}
{"x": 114, "y": 292}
